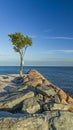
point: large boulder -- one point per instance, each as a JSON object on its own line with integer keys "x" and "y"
{"x": 22, "y": 122}
{"x": 60, "y": 120}
{"x": 64, "y": 97}
{"x": 31, "y": 105}
{"x": 44, "y": 90}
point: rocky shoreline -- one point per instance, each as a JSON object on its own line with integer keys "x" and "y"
{"x": 34, "y": 103}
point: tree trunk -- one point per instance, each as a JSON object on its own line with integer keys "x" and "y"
{"x": 21, "y": 65}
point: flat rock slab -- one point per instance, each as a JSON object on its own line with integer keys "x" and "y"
{"x": 45, "y": 90}
{"x": 14, "y": 99}
{"x": 58, "y": 106}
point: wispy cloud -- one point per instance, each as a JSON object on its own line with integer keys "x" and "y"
{"x": 67, "y": 51}
{"x": 64, "y": 51}
{"x": 58, "y": 38}
{"x": 57, "y": 51}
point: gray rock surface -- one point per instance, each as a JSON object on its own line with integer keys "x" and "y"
{"x": 35, "y": 122}
{"x": 44, "y": 90}
{"x": 57, "y": 106}
{"x": 60, "y": 120}
{"x": 31, "y": 105}
{"x": 11, "y": 100}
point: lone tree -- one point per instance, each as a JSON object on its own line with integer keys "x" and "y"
{"x": 20, "y": 44}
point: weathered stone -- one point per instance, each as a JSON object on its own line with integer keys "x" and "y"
{"x": 14, "y": 99}
{"x": 60, "y": 120}
{"x": 64, "y": 107}
{"x": 26, "y": 79}
{"x": 34, "y": 82}
{"x": 39, "y": 97}
{"x": 11, "y": 89}
{"x": 31, "y": 105}
{"x": 46, "y": 99}
{"x": 34, "y": 74}
{"x": 22, "y": 88}
{"x": 57, "y": 99}
{"x": 64, "y": 97}
{"x": 46, "y": 82}
{"x": 35, "y": 79}
{"x": 21, "y": 122}
{"x": 57, "y": 106}
{"x": 69, "y": 99}
{"x": 44, "y": 90}
{"x": 62, "y": 94}
{"x": 34, "y": 94}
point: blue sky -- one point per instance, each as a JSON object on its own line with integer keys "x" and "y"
{"x": 48, "y": 22}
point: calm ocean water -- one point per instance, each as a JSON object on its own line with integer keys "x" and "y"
{"x": 60, "y": 76}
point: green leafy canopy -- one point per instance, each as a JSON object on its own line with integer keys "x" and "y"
{"x": 20, "y": 41}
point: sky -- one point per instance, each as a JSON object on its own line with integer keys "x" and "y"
{"x": 50, "y": 25}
